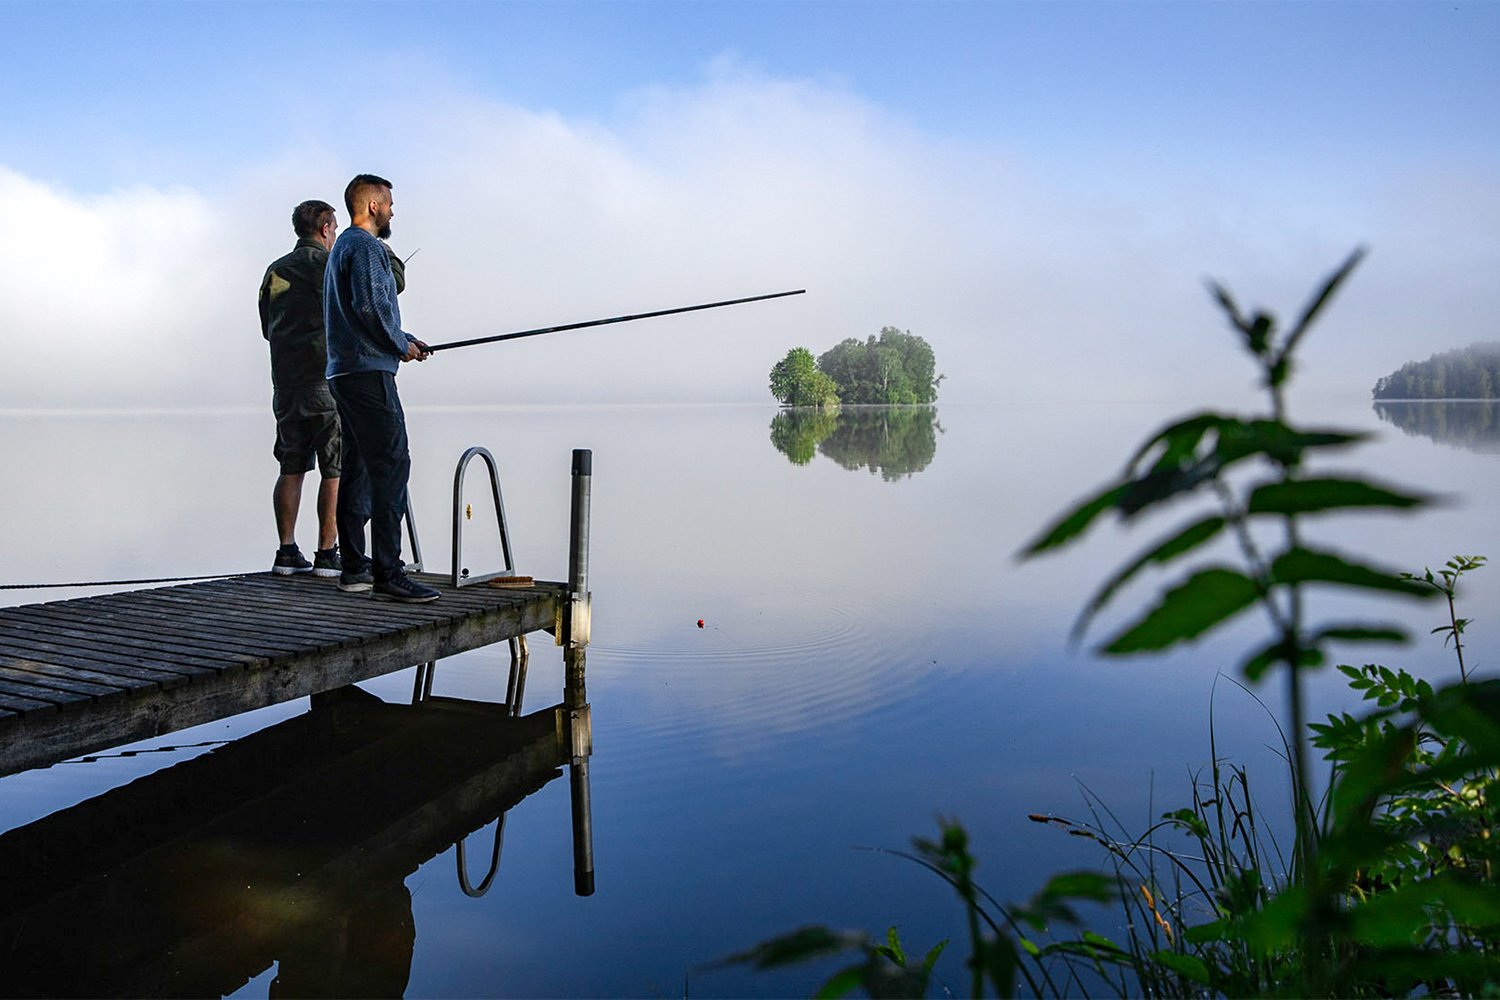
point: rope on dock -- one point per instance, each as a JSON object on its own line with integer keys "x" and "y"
{"x": 122, "y": 583}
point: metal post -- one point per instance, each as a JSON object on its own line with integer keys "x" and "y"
{"x": 576, "y": 632}
{"x": 579, "y": 720}
{"x": 583, "y": 828}
{"x": 575, "y": 640}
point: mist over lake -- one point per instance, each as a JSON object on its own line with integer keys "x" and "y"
{"x": 872, "y": 656}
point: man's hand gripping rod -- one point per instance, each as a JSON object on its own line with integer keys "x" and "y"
{"x": 605, "y": 322}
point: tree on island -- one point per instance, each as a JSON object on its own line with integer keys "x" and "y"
{"x": 796, "y": 381}
{"x": 898, "y": 367}
{"x": 1471, "y": 372}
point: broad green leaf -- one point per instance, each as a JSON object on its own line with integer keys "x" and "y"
{"x": 1352, "y": 632}
{"x": 1399, "y": 915}
{"x": 1275, "y": 440}
{"x": 841, "y": 983}
{"x": 1302, "y": 496}
{"x": 1207, "y": 598}
{"x": 1078, "y": 885}
{"x": 1373, "y": 771}
{"x": 1305, "y": 657}
{"x": 1188, "y": 966}
{"x": 1275, "y": 925}
{"x": 1303, "y": 565}
{"x": 1218, "y": 930}
{"x": 1470, "y": 712}
{"x": 1423, "y": 966}
{"x": 1163, "y": 552}
{"x": 797, "y": 946}
{"x": 1075, "y": 522}
{"x": 1176, "y": 442}
{"x": 1100, "y": 941}
{"x": 1320, "y": 299}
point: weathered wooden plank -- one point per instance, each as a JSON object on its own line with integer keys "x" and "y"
{"x": 114, "y": 681}
{"x": 189, "y": 666}
{"x": 224, "y": 631}
{"x": 246, "y": 618}
{"x": 352, "y": 619}
{"x": 42, "y": 625}
{"x": 37, "y": 692}
{"x": 304, "y": 588}
{"x": 159, "y": 637}
{"x": 41, "y": 679}
{"x": 282, "y": 594}
{"x": 25, "y": 708}
{"x": 94, "y": 660}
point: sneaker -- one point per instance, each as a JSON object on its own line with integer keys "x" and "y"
{"x": 326, "y": 562}
{"x": 404, "y": 589}
{"x": 289, "y": 560}
{"x": 356, "y": 581}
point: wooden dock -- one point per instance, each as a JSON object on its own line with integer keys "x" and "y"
{"x": 81, "y": 675}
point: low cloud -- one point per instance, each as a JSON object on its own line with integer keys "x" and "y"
{"x": 1027, "y": 287}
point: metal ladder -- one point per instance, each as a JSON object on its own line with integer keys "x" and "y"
{"x": 461, "y": 577}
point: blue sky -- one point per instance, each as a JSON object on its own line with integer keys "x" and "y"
{"x": 1027, "y": 185}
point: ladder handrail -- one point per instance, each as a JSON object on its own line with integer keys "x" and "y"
{"x": 458, "y": 579}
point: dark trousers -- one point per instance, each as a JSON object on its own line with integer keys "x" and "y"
{"x": 376, "y": 465}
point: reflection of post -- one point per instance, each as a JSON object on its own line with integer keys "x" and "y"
{"x": 575, "y": 635}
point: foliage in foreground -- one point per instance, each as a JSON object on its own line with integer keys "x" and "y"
{"x": 1388, "y": 887}
{"x": 897, "y": 368}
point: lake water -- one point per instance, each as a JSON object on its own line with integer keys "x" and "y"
{"x": 872, "y": 656}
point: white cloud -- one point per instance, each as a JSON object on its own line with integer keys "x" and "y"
{"x": 1025, "y": 285}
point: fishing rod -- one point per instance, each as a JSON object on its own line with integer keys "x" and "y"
{"x": 605, "y": 322}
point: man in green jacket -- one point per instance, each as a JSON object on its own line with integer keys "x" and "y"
{"x": 307, "y": 420}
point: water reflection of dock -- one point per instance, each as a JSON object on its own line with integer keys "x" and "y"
{"x": 288, "y": 846}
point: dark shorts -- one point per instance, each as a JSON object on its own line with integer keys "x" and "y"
{"x": 307, "y": 428}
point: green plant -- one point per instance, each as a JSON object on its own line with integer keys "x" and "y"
{"x": 1372, "y": 900}
{"x": 1446, "y": 583}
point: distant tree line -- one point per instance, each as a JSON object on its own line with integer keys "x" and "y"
{"x": 1471, "y": 372}
{"x": 896, "y": 367}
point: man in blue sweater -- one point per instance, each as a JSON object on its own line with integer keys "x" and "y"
{"x": 365, "y": 347}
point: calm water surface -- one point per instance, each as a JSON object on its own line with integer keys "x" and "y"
{"x": 872, "y": 657}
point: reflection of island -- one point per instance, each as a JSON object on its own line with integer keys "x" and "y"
{"x": 289, "y": 846}
{"x": 1470, "y": 424}
{"x": 895, "y": 441}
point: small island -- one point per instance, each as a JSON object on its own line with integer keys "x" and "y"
{"x": 896, "y": 368}
{"x": 1471, "y": 372}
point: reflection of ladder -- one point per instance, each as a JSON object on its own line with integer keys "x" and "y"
{"x": 516, "y": 688}
{"x": 461, "y": 576}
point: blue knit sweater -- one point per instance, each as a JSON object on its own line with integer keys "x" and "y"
{"x": 359, "y": 307}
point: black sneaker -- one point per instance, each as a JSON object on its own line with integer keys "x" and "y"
{"x": 326, "y": 562}
{"x": 289, "y": 560}
{"x": 404, "y": 589}
{"x": 356, "y": 581}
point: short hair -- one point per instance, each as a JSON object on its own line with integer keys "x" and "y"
{"x": 310, "y": 217}
{"x": 353, "y": 194}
